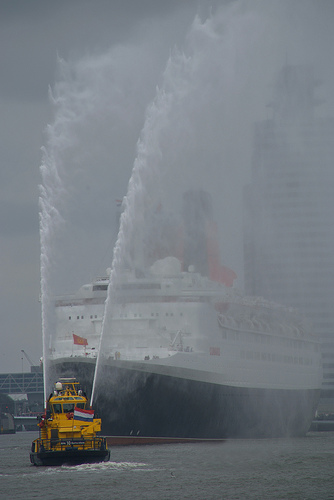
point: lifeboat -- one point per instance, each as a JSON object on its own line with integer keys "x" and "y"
{"x": 68, "y": 429}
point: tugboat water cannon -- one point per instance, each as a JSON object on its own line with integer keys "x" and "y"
{"x": 68, "y": 429}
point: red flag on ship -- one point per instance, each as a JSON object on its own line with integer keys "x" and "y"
{"x": 79, "y": 340}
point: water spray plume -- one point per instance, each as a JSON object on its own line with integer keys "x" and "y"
{"x": 193, "y": 153}
{"x": 178, "y": 139}
{"x": 142, "y": 196}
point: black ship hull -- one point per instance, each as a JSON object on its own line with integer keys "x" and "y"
{"x": 131, "y": 402}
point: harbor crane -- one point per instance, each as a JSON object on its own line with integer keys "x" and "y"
{"x": 27, "y": 357}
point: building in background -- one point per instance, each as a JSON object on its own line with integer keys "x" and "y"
{"x": 289, "y": 209}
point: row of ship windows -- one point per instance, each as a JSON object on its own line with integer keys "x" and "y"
{"x": 153, "y": 315}
{"x": 125, "y": 316}
{"x": 266, "y": 339}
{"x": 83, "y": 317}
{"x": 280, "y": 358}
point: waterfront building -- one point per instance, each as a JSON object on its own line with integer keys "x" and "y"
{"x": 289, "y": 208}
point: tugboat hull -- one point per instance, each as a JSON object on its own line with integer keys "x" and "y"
{"x": 68, "y": 429}
{"x": 69, "y": 456}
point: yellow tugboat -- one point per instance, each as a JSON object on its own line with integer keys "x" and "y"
{"x": 68, "y": 429}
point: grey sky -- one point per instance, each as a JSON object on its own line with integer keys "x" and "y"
{"x": 141, "y": 34}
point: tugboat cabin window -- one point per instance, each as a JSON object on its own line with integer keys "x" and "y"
{"x": 68, "y": 407}
{"x": 57, "y": 408}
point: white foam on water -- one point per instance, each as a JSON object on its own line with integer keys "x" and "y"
{"x": 101, "y": 466}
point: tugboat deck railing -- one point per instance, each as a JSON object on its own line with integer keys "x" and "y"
{"x": 68, "y": 444}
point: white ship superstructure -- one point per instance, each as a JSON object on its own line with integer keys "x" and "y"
{"x": 197, "y": 328}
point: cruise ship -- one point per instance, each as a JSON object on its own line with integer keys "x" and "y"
{"x": 187, "y": 355}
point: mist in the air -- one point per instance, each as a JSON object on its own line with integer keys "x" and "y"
{"x": 148, "y": 124}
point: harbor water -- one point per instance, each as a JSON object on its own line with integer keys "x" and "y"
{"x": 301, "y": 468}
